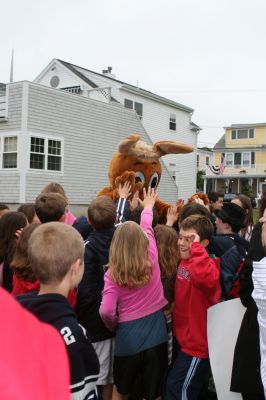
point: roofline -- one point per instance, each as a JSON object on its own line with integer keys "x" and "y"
{"x": 132, "y": 88}
{"x": 235, "y": 126}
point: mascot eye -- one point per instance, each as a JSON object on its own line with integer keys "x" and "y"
{"x": 139, "y": 177}
{"x": 154, "y": 180}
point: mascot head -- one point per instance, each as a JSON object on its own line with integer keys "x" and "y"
{"x": 143, "y": 159}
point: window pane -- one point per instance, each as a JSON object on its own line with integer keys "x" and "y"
{"x": 54, "y": 163}
{"x": 229, "y": 159}
{"x": 246, "y": 159}
{"x": 251, "y": 133}
{"x": 242, "y": 134}
{"x": 10, "y": 160}
{"x": 54, "y": 147}
{"x": 172, "y": 122}
{"x": 253, "y": 157}
{"x": 233, "y": 134}
{"x": 139, "y": 109}
{"x": 237, "y": 159}
{"x": 37, "y": 145}
{"x": 10, "y": 144}
{"x": 37, "y": 161}
{"x": 128, "y": 104}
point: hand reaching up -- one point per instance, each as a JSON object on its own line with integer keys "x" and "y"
{"x": 149, "y": 198}
{"x": 172, "y": 216}
{"x": 124, "y": 190}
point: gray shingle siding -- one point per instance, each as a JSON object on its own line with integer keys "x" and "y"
{"x": 91, "y": 132}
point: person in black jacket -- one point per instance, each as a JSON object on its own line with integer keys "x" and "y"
{"x": 102, "y": 215}
{"x": 56, "y": 253}
{"x": 246, "y": 378}
{"x": 228, "y": 245}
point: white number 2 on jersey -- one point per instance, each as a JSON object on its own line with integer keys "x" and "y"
{"x": 67, "y": 335}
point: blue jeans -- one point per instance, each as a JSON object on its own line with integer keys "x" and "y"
{"x": 186, "y": 377}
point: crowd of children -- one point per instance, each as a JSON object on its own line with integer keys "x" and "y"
{"x": 130, "y": 302}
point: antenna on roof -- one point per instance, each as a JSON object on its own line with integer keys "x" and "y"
{"x": 12, "y": 67}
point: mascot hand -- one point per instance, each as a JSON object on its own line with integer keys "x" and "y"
{"x": 128, "y": 176}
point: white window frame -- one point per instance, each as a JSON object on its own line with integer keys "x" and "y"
{"x": 242, "y": 159}
{"x": 243, "y": 129}
{"x": 46, "y": 141}
{"x": 226, "y": 156}
{"x": 2, "y": 152}
{"x": 172, "y": 120}
{"x": 134, "y": 106}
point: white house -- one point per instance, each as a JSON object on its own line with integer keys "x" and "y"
{"x": 51, "y": 135}
{"x": 163, "y": 119}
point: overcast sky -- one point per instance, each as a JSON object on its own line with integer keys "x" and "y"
{"x": 207, "y": 54}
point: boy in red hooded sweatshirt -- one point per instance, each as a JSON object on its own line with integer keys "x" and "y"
{"x": 197, "y": 288}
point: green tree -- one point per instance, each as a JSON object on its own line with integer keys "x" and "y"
{"x": 200, "y": 180}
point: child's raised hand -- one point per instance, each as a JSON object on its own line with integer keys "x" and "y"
{"x": 135, "y": 201}
{"x": 172, "y": 216}
{"x": 124, "y": 190}
{"x": 149, "y": 198}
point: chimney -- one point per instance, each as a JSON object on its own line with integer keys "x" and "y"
{"x": 108, "y": 72}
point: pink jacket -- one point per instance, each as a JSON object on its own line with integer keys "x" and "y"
{"x": 134, "y": 302}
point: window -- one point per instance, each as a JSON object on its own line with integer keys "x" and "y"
{"x": 128, "y": 104}
{"x": 10, "y": 152}
{"x": 246, "y": 159}
{"x": 45, "y": 154}
{"x": 237, "y": 160}
{"x": 197, "y": 160}
{"x": 172, "y": 122}
{"x": 37, "y": 156}
{"x": 242, "y": 134}
{"x": 54, "y": 155}
{"x": 229, "y": 159}
{"x": 207, "y": 160}
{"x": 139, "y": 109}
{"x": 253, "y": 159}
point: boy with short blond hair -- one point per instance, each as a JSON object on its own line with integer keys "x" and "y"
{"x": 50, "y": 207}
{"x": 197, "y": 288}
{"x": 56, "y": 254}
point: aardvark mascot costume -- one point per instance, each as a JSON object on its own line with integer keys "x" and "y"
{"x": 139, "y": 163}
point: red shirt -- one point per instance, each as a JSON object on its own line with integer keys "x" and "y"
{"x": 33, "y": 362}
{"x": 197, "y": 287}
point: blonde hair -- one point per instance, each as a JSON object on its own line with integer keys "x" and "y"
{"x": 52, "y": 249}
{"x": 166, "y": 240}
{"x": 128, "y": 258}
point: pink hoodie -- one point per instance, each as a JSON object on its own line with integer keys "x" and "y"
{"x": 134, "y": 302}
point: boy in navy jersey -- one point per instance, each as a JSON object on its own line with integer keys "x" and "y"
{"x": 56, "y": 254}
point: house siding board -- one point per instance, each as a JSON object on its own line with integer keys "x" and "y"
{"x": 9, "y": 187}
{"x": 14, "y": 99}
{"x": 91, "y": 132}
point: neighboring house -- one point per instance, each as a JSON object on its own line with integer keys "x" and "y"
{"x": 51, "y": 135}
{"x": 163, "y": 119}
{"x": 243, "y": 147}
{"x": 204, "y": 159}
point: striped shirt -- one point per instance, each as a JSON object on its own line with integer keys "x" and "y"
{"x": 259, "y": 295}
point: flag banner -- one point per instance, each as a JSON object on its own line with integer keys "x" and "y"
{"x": 218, "y": 169}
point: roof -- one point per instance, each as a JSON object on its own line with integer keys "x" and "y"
{"x": 245, "y": 125}
{"x": 220, "y": 144}
{"x": 125, "y": 86}
{"x": 194, "y": 127}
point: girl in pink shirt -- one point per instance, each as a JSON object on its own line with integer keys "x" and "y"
{"x": 132, "y": 304}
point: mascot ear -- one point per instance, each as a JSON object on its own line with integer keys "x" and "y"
{"x": 164, "y": 147}
{"x": 126, "y": 146}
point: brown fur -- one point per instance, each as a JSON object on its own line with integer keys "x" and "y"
{"x": 135, "y": 156}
